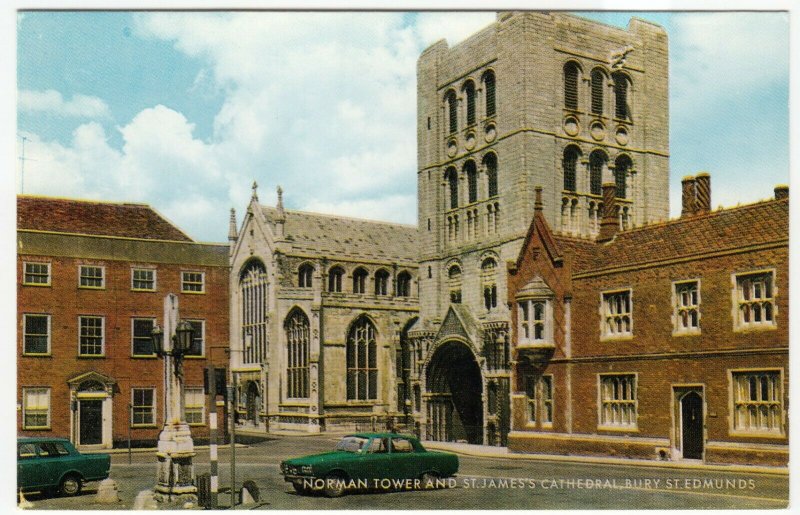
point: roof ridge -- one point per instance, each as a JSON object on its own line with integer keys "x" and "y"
{"x": 85, "y": 201}
{"x": 343, "y": 217}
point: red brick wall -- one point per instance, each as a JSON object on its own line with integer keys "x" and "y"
{"x": 64, "y": 302}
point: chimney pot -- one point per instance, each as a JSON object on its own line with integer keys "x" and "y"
{"x": 703, "y": 193}
{"x": 781, "y": 191}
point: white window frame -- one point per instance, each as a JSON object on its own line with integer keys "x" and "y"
{"x": 153, "y": 408}
{"x": 25, "y": 273}
{"x": 102, "y": 336}
{"x": 780, "y": 431}
{"x": 530, "y": 324}
{"x": 185, "y": 283}
{"x": 738, "y": 323}
{"x": 26, "y": 408}
{"x": 133, "y": 336}
{"x": 146, "y": 269}
{"x": 24, "y": 334}
{"x": 677, "y": 307}
{"x": 604, "y": 424}
{"x": 202, "y": 354}
{"x": 605, "y": 315}
{"x": 102, "y": 277}
{"x": 194, "y": 408}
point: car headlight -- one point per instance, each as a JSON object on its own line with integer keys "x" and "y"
{"x": 306, "y": 469}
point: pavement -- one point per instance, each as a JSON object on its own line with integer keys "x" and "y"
{"x": 488, "y": 478}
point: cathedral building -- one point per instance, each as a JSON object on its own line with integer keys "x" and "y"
{"x": 320, "y": 311}
{"x": 533, "y": 99}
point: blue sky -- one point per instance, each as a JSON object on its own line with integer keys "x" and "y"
{"x": 184, "y": 110}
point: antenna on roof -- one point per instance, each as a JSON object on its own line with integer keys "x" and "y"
{"x": 22, "y": 160}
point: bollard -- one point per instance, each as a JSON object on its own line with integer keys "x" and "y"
{"x": 249, "y": 493}
{"x": 107, "y": 492}
{"x": 203, "y": 483}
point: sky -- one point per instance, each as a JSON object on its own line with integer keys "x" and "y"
{"x": 184, "y": 110}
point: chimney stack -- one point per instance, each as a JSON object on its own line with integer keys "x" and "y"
{"x": 687, "y": 196}
{"x": 781, "y": 191}
{"x": 609, "y": 225}
{"x": 703, "y": 194}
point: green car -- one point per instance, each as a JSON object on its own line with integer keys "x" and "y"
{"x": 52, "y": 464}
{"x": 370, "y": 461}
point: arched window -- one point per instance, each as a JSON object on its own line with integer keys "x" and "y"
{"x": 297, "y": 346}
{"x": 362, "y": 361}
{"x": 597, "y": 161}
{"x": 469, "y": 92}
{"x": 335, "y": 279}
{"x": 621, "y": 170}
{"x": 489, "y": 88}
{"x": 452, "y": 110}
{"x": 571, "y": 72}
{"x": 403, "y": 284}
{"x": 253, "y": 292}
{"x": 472, "y": 180}
{"x": 490, "y": 163}
{"x": 360, "y": 280}
{"x": 570, "y": 165}
{"x": 598, "y": 80}
{"x": 451, "y": 176}
{"x": 621, "y": 86}
{"x": 304, "y": 276}
{"x": 489, "y": 283}
{"x": 454, "y": 280}
{"x": 381, "y": 282}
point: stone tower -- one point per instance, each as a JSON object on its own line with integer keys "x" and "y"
{"x": 534, "y": 99}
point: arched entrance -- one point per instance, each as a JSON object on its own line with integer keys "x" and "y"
{"x": 454, "y": 387}
{"x": 692, "y": 426}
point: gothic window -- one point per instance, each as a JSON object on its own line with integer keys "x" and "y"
{"x": 535, "y": 325}
{"x": 253, "y": 289}
{"x": 598, "y": 79}
{"x": 571, "y": 72}
{"x": 452, "y": 110}
{"x": 360, "y": 280}
{"x": 618, "y": 400}
{"x": 403, "y": 284}
{"x": 490, "y": 162}
{"x": 755, "y": 301}
{"x": 297, "y": 345}
{"x": 451, "y": 176}
{"x": 489, "y": 283}
{"x": 489, "y": 88}
{"x": 381, "y": 282}
{"x": 469, "y": 91}
{"x": 304, "y": 276}
{"x": 454, "y": 281}
{"x": 621, "y": 86}
{"x": 597, "y": 161}
{"x": 758, "y": 401}
{"x": 472, "y": 180}
{"x": 570, "y": 164}
{"x": 335, "y": 279}
{"x": 617, "y": 314}
{"x": 362, "y": 361}
{"x": 621, "y": 170}
{"x": 686, "y": 307}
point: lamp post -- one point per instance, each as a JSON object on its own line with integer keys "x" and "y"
{"x": 175, "y": 480}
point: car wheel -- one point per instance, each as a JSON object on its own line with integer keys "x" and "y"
{"x": 429, "y": 480}
{"x": 70, "y": 485}
{"x": 299, "y": 488}
{"x": 334, "y": 485}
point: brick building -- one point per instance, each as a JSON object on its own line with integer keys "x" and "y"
{"x": 92, "y": 277}
{"x": 320, "y": 306}
{"x": 666, "y": 341}
{"x": 534, "y": 98}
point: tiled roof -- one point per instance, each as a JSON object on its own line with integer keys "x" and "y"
{"x": 94, "y": 218}
{"x": 330, "y": 235}
{"x": 718, "y": 231}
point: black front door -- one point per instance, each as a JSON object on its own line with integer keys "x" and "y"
{"x": 91, "y": 425}
{"x": 692, "y": 417}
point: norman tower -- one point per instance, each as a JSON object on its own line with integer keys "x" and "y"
{"x": 535, "y": 98}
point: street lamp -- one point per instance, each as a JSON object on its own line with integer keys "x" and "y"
{"x": 175, "y": 480}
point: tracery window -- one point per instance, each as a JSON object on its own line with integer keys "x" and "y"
{"x": 253, "y": 291}
{"x": 298, "y": 342}
{"x": 362, "y": 367}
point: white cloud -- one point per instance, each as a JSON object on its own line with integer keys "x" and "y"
{"x": 393, "y": 208}
{"x": 51, "y": 101}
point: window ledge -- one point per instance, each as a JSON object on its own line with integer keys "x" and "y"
{"x": 619, "y": 429}
{"x": 757, "y": 434}
{"x": 687, "y": 332}
{"x": 755, "y": 328}
{"x": 36, "y": 428}
{"x": 142, "y": 290}
{"x": 91, "y": 356}
{"x": 37, "y": 355}
{"x": 193, "y": 292}
{"x": 40, "y": 285}
{"x": 143, "y": 426}
{"x": 144, "y": 356}
{"x": 615, "y": 338}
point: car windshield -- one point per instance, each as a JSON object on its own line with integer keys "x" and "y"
{"x": 351, "y": 444}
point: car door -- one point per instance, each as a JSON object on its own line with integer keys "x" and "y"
{"x": 374, "y": 462}
{"x": 27, "y": 465}
{"x": 52, "y": 463}
{"x": 404, "y": 461}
